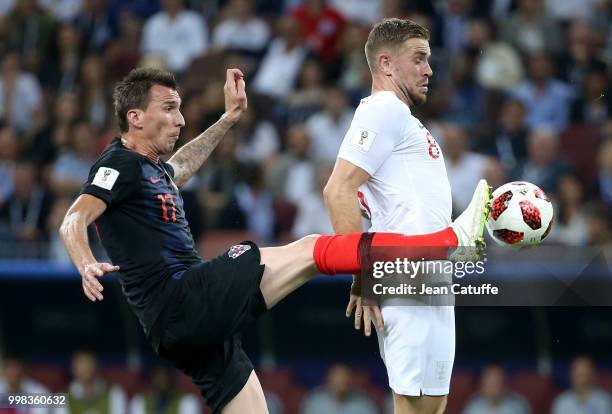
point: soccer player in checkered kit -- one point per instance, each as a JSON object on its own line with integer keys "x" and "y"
{"x": 391, "y": 167}
{"x": 192, "y": 311}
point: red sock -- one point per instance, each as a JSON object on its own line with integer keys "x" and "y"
{"x": 341, "y": 254}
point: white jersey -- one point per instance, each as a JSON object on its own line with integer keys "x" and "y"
{"x": 408, "y": 190}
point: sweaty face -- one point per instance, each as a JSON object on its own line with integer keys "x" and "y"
{"x": 162, "y": 121}
{"x": 411, "y": 71}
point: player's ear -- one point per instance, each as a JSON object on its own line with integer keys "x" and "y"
{"x": 384, "y": 63}
{"x": 135, "y": 117}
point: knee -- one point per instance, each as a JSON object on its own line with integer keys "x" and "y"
{"x": 309, "y": 241}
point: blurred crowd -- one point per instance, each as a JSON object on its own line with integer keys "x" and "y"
{"x": 521, "y": 91}
{"x": 343, "y": 389}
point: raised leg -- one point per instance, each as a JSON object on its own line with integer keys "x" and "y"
{"x": 287, "y": 268}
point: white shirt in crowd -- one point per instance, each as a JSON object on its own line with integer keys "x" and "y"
{"x": 279, "y": 70}
{"x": 464, "y": 176}
{"x": 26, "y": 99}
{"x": 251, "y": 35}
{"x": 326, "y": 135}
{"x": 188, "y": 405}
{"x": 177, "y": 40}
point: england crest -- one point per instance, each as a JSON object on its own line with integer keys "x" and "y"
{"x": 237, "y": 250}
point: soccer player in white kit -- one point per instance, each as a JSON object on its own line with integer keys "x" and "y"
{"x": 391, "y": 167}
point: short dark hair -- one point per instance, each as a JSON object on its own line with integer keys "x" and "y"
{"x": 391, "y": 33}
{"x": 133, "y": 91}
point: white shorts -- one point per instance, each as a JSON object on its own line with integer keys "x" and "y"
{"x": 417, "y": 345}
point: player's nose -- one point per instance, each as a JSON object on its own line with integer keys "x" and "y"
{"x": 180, "y": 120}
{"x": 428, "y": 70}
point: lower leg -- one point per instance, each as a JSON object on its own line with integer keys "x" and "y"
{"x": 287, "y": 268}
{"x": 249, "y": 400}
{"x": 342, "y": 253}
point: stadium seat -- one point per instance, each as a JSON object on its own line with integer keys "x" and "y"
{"x": 538, "y": 389}
{"x": 128, "y": 379}
{"x": 579, "y": 146}
{"x": 52, "y": 376}
{"x": 604, "y": 379}
{"x": 463, "y": 386}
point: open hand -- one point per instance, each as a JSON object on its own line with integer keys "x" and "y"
{"x": 90, "y": 274}
{"x": 368, "y": 312}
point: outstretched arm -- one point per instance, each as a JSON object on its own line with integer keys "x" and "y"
{"x": 191, "y": 156}
{"x": 73, "y": 232}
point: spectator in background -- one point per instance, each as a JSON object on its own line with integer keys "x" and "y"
{"x": 123, "y": 53}
{"x": 579, "y": 56}
{"x": 337, "y": 395}
{"x": 530, "y": 30}
{"x": 71, "y": 168}
{"x": 250, "y": 208}
{"x": 354, "y": 71}
{"x": 321, "y": 27}
{"x": 23, "y": 217}
{"x": 240, "y": 30}
{"x": 32, "y": 31}
{"x": 328, "y": 127}
{"x": 63, "y": 68}
{"x": 542, "y": 166}
{"x": 176, "y": 34}
{"x": 291, "y": 175}
{"x": 7, "y": 6}
{"x": 88, "y": 392}
{"x": 55, "y": 136}
{"x": 57, "y": 252}
{"x": 21, "y": 103}
{"x": 594, "y": 105}
{"x": 571, "y": 227}
{"x": 163, "y": 397}
{"x": 280, "y": 66}
{"x": 309, "y": 96}
{"x": 584, "y": 396}
{"x": 464, "y": 168}
{"x": 365, "y": 12}
{"x": 312, "y": 216}
{"x": 97, "y": 26}
{"x": 546, "y": 99}
{"x": 94, "y": 93}
{"x": 493, "y": 396}
{"x": 259, "y": 140}
{"x": 451, "y": 25}
{"x": 604, "y": 175}
{"x": 62, "y": 10}
{"x": 9, "y": 152}
{"x": 600, "y": 227}
{"x": 220, "y": 178}
{"x": 14, "y": 381}
{"x": 508, "y": 143}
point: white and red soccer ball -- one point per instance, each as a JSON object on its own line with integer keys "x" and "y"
{"x": 520, "y": 215}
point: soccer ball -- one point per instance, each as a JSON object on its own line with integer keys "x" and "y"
{"x": 520, "y": 215}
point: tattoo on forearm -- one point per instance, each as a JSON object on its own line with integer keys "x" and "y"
{"x": 192, "y": 155}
